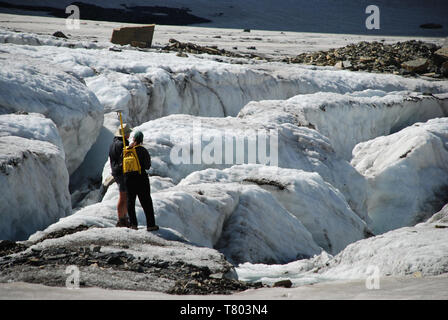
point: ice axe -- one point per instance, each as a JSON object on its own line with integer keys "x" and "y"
{"x": 122, "y": 129}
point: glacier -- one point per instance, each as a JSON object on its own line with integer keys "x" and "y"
{"x": 33, "y": 175}
{"x": 268, "y": 167}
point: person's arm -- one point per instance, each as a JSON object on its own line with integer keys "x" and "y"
{"x": 144, "y": 157}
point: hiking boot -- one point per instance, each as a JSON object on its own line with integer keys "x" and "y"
{"x": 133, "y": 227}
{"x": 122, "y": 222}
{"x": 152, "y": 228}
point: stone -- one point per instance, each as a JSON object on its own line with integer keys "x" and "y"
{"x": 444, "y": 68}
{"x": 135, "y": 36}
{"x": 417, "y": 65}
{"x": 59, "y": 34}
{"x": 346, "y": 64}
{"x": 366, "y": 59}
{"x": 442, "y": 53}
{"x": 283, "y": 283}
{"x": 339, "y": 65}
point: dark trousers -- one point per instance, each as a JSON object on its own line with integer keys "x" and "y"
{"x": 138, "y": 185}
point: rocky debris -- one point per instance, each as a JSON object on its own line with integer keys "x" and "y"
{"x": 181, "y": 277}
{"x": 8, "y": 247}
{"x": 405, "y": 58}
{"x": 63, "y": 232}
{"x": 409, "y": 58}
{"x": 212, "y": 286}
{"x": 188, "y": 47}
{"x": 263, "y": 181}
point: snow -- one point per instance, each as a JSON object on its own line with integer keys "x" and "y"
{"x": 32, "y": 126}
{"x": 209, "y": 216}
{"x": 406, "y": 174}
{"x": 170, "y": 140}
{"x": 418, "y": 251}
{"x": 321, "y": 208}
{"x": 33, "y": 176}
{"x": 351, "y": 118}
{"x": 28, "y": 84}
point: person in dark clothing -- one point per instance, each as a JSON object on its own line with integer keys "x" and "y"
{"x": 137, "y": 184}
{"x": 116, "y": 164}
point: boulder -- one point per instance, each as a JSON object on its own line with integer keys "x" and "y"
{"x": 444, "y": 68}
{"x": 418, "y": 65}
{"x": 135, "y": 36}
{"x": 442, "y": 53}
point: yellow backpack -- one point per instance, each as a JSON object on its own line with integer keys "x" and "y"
{"x": 130, "y": 161}
{"x": 130, "y": 157}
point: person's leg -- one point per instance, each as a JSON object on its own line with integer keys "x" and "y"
{"x": 122, "y": 203}
{"x": 131, "y": 196}
{"x": 144, "y": 195}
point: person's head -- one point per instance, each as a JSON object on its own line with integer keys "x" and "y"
{"x": 138, "y": 137}
{"x": 127, "y": 131}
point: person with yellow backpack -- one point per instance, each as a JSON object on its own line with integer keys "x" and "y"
{"x": 136, "y": 160}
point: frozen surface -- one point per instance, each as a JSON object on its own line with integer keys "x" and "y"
{"x": 407, "y": 174}
{"x": 321, "y": 208}
{"x": 302, "y": 212}
{"x": 212, "y": 215}
{"x": 351, "y": 118}
{"x": 182, "y": 144}
{"x": 33, "y": 176}
{"x": 417, "y": 252}
{"x": 31, "y": 85}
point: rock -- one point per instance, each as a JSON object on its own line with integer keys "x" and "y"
{"x": 444, "y": 68}
{"x": 418, "y": 65}
{"x": 429, "y": 74}
{"x": 283, "y": 283}
{"x": 346, "y": 64}
{"x": 135, "y": 36}
{"x": 366, "y": 59}
{"x": 246, "y": 30}
{"x": 442, "y": 53}
{"x": 59, "y": 34}
{"x": 339, "y": 65}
